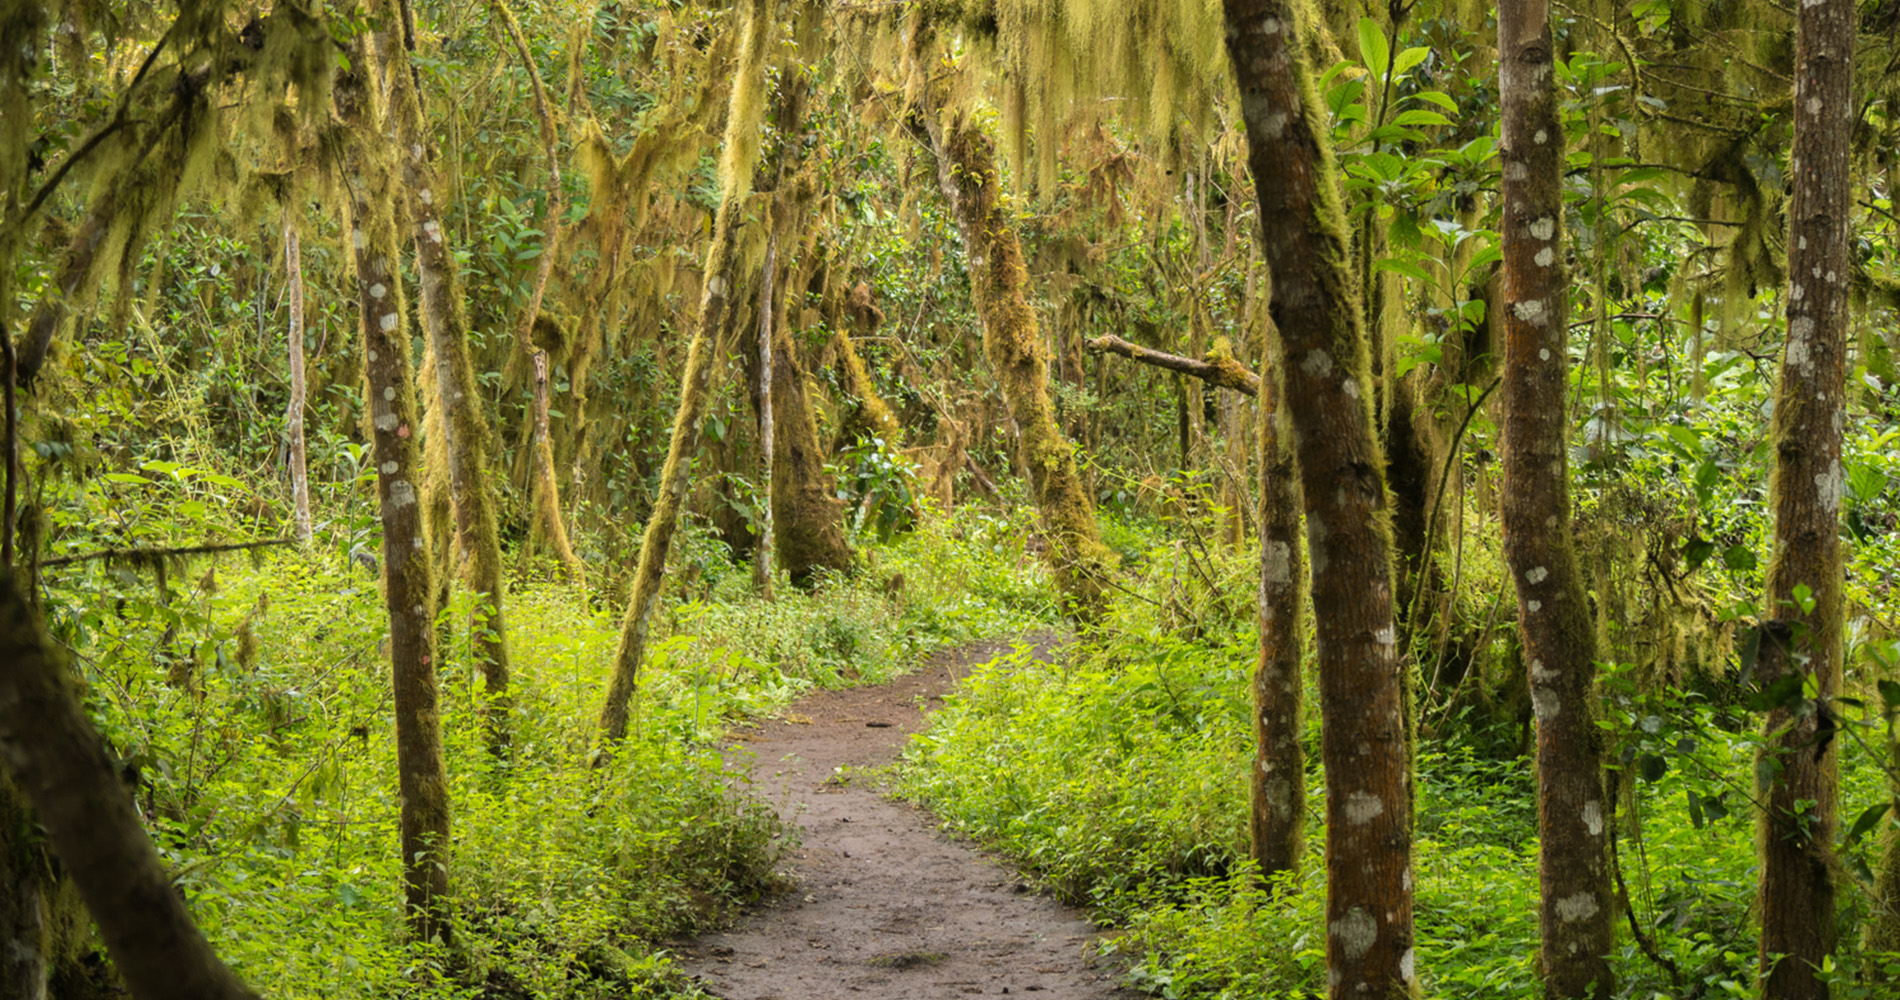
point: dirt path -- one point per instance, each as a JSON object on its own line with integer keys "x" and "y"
{"x": 885, "y": 904}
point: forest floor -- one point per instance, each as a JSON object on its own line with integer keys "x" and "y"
{"x": 883, "y": 902}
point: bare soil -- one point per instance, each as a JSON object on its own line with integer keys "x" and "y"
{"x": 883, "y": 903}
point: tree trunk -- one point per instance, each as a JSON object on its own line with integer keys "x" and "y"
{"x": 1278, "y": 817}
{"x": 546, "y": 491}
{"x": 465, "y": 434}
{"x": 872, "y": 412}
{"x": 408, "y": 591}
{"x": 1576, "y": 908}
{"x": 1349, "y": 537}
{"x": 1803, "y": 613}
{"x": 735, "y": 172}
{"x": 966, "y": 171}
{"x": 762, "y": 555}
{"x": 293, "y": 416}
{"x": 59, "y": 762}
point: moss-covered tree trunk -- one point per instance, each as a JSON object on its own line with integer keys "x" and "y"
{"x": 736, "y": 167}
{"x": 1803, "y": 612}
{"x": 1278, "y": 816}
{"x": 545, "y": 489}
{"x": 465, "y": 435}
{"x": 59, "y": 761}
{"x": 408, "y": 591}
{"x": 1363, "y": 740}
{"x": 870, "y": 413}
{"x": 762, "y": 399}
{"x": 999, "y": 279}
{"x": 1576, "y": 907}
{"x": 293, "y": 413}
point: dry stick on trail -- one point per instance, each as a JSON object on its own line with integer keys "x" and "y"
{"x": 59, "y": 761}
{"x": 408, "y": 591}
{"x": 293, "y": 413}
{"x": 1577, "y": 908}
{"x": 547, "y": 491}
{"x": 741, "y": 151}
{"x": 1325, "y": 373}
{"x": 1803, "y": 616}
{"x": 465, "y": 435}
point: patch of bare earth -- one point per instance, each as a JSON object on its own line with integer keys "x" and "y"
{"x": 884, "y": 904}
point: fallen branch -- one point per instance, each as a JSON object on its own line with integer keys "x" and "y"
{"x": 1216, "y": 370}
{"x": 148, "y": 555}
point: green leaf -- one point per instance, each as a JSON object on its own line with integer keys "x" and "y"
{"x": 1419, "y": 116}
{"x": 1697, "y": 551}
{"x": 1889, "y": 693}
{"x": 1652, "y": 767}
{"x": 127, "y": 477}
{"x": 228, "y": 482}
{"x": 1783, "y": 692}
{"x": 1409, "y": 59}
{"x": 1399, "y": 265}
{"x": 1373, "y": 50}
{"x": 1435, "y": 97}
{"x": 1804, "y": 598}
{"x": 1867, "y": 822}
{"x": 1739, "y": 558}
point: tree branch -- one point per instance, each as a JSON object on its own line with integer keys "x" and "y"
{"x": 1216, "y": 370}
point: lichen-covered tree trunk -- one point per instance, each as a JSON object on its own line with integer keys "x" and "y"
{"x": 1363, "y": 738}
{"x": 293, "y": 414}
{"x": 1277, "y": 821}
{"x": 736, "y": 168}
{"x": 805, "y": 507}
{"x": 762, "y": 555}
{"x": 465, "y": 435}
{"x": 1803, "y": 613}
{"x": 546, "y": 489}
{"x": 966, "y": 171}
{"x": 59, "y": 761}
{"x": 1576, "y": 907}
{"x": 408, "y": 591}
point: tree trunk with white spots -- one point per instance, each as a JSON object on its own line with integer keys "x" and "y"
{"x": 1803, "y": 611}
{"x": 762, "y": 556}
{"x": 1325, "y": 374}
{"x": 736, "y": 170}
{"x": 389, "y": 379}
{"x": 1576, "y": 907}
{"x": 1277, "y": 821}
{"x": 465, "y": 433}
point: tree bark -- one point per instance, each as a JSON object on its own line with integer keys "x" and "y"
{"x": 59, "y": 762}
{"x": 1219, "y": 368}
{"x": 966, "y": 172}
{"x": 293, "y": 415}
{"x": 465, "y": 435}
{"x": 1576, "y": 907}
{"x": 736, "y": 170}
{"x": 1278, "y": 816}
{"x": 1803, "y": 614}
{"x": 546, "y": 488}
{"x": 408, "y": 591}
{"x": 1363, "y": 740}
{"x": 762, "y": 555}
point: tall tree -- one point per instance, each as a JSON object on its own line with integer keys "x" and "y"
{"x": 465, "y": 433}
{"x": 737, "y": 163}
{"x": 59, "y": 761}
{"x": 293, "y": 412}
{"x": 1363, "y": 738}
{"x": 1277, "y": 822}
{"x": 1575, "y": 908}
{"x": 999, "y": 279}
{"x": 408, "y": 591}
{"x": 1804, "y": 613}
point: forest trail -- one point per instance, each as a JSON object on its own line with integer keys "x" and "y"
{"x": 885, "y": 904}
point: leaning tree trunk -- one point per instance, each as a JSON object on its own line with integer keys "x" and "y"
{"x": 736, "y": 167}
{"x": 1803, "y": 613}
{"x": 1278, "y": 815}
{"x": 407, "y": 588}
{"x": 1363, "y": 740}
{"x": 546, "y": 488}
{"x": 999, "y": 279}
{"x": 293, "y": 414}
{"x": 59, "y": 761}
{"x": 464, "y": 433}
{"x": 1575, "y": 908}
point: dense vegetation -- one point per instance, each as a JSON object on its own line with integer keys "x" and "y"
{"x": 1459, "y": 444}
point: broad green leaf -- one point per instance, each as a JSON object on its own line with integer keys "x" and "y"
{"x": 1419, "y": 116}
{"x": 1409, "y": 59}
{"x": 127, "y": 477}
{"x": 1373, "y": 50}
